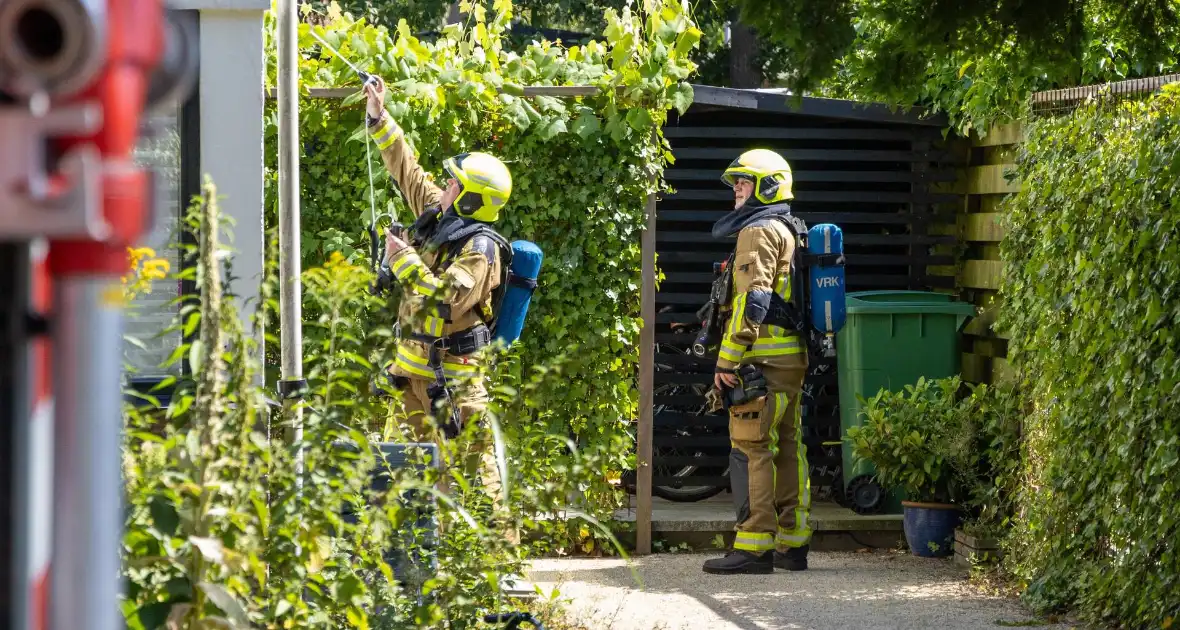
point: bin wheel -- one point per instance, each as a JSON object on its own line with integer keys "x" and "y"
{"x": 864, "y": 495}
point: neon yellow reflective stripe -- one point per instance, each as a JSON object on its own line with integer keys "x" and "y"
{"x": 783, "y": 289}
{"x": 753, "y": 541}
{"x": 385, "y": 135}
{"x": 425, "y": 285}
{"x": 432, "y": 326}
{"x": 731, "y": 351}
{"x": 793, "y": 537}
{"x": 735, "y": 316}
{"x": 775, "y": 346}
{"x": 459, "y": 370}
{"x": 780, "y": 406}
{"x": 804, "y": 471}
{"x": 413, "y": 363}
{"x": 801, "y": 534}
{"x": 409, "y": 264}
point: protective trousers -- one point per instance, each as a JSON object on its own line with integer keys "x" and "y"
{"x": 768, "y": 467}
{"x": 414, "y": 423}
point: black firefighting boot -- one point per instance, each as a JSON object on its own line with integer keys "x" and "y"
{"x": 740, "y": 561}
{"x": 794, "y": 559}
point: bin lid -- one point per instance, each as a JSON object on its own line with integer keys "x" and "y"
{"x": 890, "y": 302}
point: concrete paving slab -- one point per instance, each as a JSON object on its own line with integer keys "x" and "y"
{"x": 877, "y": 590}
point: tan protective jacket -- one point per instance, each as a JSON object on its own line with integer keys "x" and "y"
{"x": 444, "y": 291}
{"x": 761, "y": 263}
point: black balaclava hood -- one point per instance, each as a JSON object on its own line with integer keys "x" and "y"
{"x": 434, "y": 227}
{"x": 749, "y": 212}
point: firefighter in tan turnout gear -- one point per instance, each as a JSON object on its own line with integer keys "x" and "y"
{"x": 449, "y": 272}
{"x": 761, "y": 365}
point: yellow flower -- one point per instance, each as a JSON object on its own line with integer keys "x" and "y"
{"x": 156, "y": 269}
{"x": 143, "y": 267}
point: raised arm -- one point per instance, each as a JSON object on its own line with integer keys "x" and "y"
{"x": 399, "y": 159}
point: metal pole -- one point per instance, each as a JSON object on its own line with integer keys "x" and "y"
{"x": 26, "y": 421}
{"x": 290, "y": 289}
{"x": 647, "y": 348}
{"x": 87, "y": 477}
{"x": 15, "y": 412}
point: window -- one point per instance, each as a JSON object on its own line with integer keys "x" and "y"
{"x": 152, "y": 312}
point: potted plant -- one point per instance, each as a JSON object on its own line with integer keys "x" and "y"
{"x": 921, "y": 440}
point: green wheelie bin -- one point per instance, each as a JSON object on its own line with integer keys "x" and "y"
{"x": 889, "y": 340}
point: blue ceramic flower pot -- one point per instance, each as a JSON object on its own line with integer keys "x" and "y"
{"x": 930, "y": 528}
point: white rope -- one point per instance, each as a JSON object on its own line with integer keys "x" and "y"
{"x": 372, "y": 200}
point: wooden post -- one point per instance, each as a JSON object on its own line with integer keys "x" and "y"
{"x": 647, "y": 349}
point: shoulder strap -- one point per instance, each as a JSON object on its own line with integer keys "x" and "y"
{"x": 489, "y": 318}
{"x": 797, "y": 226}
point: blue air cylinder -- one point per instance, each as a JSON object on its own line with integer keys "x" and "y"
{"x": 522, "y": 280}
{"x": 825, "y": 248}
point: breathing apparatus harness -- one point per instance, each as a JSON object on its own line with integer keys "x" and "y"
{"x": 449, "y": 233}
{"x": 789, "y": 315}
{"x": 793, "y": 314}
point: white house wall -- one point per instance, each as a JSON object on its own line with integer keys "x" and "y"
{"x": 231, "y": 123}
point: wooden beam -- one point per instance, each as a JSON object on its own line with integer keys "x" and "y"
{"x": 559, "y": 91}
{"x": 983, "y": 227}
{"x": 975, "y": 369}
{"x": 982, "y": 325}
{"x": 1012, "y": 133}
{"x": 647, "y": 348}
{"x": 990, "y": 347}
{"x": 982, "y": 274}
{"x": 991, "y": 180}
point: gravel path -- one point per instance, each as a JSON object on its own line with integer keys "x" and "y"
{"x": 840, "y": 590}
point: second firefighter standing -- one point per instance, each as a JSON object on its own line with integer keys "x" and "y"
{"x": 763, "y": 356}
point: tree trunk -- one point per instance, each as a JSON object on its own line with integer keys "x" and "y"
{"x": 743, "y": 54}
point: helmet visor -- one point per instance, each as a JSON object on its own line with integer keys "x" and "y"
{"x": 454, "y": 167}
{"x": 736, "y": 170}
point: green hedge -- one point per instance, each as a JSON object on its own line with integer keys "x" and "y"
{"x": 582, "y": 170}
{"x": 1091, "y": 306}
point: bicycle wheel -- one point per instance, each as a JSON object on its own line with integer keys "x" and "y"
{"x": 679, "y": 491}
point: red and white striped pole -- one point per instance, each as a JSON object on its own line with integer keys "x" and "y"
{"x": 88, "y": 333}
{"x": 40, "y": 444}
{"x": 76, "y": 75}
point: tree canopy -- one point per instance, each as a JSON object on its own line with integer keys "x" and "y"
{"x": 975, "y": 60}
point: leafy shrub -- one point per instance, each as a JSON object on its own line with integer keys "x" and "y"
{"x": 997, "y": 416}
{"x": 582, "y": 171}
{"x": 1092, "y": 265}
{"x": 946, "y": 441}
{"x": 218, "y": 531}
{"x": 917, "y": 439}
{"x": 223, "y": 530}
